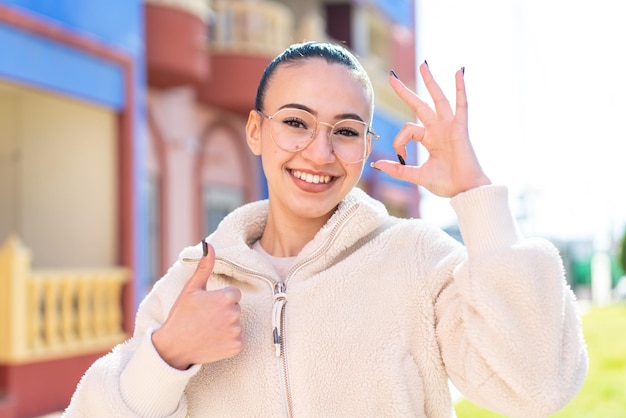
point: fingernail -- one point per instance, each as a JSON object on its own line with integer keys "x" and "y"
{"x": 393, "y": 73}
{"x": 205, "y": 248}
{"x": 426, "y": 62}
{"x": 375, "y": 168}
{"x": 463, "y": 70}
{"x": 401, "y": 159}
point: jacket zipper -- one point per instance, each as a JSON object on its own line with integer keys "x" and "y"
{"x": 278, "y": 322}
{"x": 282, "y": 288}
{"x": 280, "y": 300}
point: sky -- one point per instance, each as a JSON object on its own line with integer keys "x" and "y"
{"x": 546, "y": 84}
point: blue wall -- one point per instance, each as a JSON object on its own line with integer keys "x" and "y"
{"x": 117, "y": 23}
{"x": 387, "y": 127}
{"x": 31, "y": 59}
{"x": 47, "y": 64}
{"x": 399, "y": 11}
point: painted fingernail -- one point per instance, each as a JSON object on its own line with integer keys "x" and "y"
{"x": 463, "y": 70}
{"x": 205, "y": 248}
{"x": 401, "y": 159}
{"x": 426, "y": 62}
{"x": 375, "y": 168}
{"x": 393, "y": 73}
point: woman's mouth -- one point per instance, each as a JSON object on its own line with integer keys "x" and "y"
{"x": 311, "y": 178}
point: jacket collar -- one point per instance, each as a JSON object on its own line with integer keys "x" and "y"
{"x": 356, "y": 216}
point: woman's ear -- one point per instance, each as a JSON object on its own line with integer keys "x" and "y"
{"x": 253, "y": 132}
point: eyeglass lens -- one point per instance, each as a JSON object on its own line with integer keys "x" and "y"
{"x": 294, "y": 129}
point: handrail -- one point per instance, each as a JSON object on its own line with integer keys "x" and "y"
{"x": 197, "y": 8}
{"x": 264, "y": 27}
{"x": 48, "y": 314}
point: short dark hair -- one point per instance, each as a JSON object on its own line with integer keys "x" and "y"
{"x": 331, "y": 53}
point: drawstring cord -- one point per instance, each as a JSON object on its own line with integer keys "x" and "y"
{"x": 280, "y": 299}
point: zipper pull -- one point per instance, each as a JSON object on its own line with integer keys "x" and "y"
{"x": 280, "y": 299}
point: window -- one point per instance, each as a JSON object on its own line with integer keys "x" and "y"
{"x": 219, "y": 201}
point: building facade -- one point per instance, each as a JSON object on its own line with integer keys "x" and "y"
{"x": 122, "y": 140}
{"x": 71, "y": 88}
{"x": 201, "y": 86}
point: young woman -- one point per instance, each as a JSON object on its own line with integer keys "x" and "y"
{"x": 318, "y": 303}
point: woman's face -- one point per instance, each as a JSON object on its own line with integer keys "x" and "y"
{"x": 309, "y": 183}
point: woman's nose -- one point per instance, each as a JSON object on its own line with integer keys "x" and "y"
{"x": 320, "y": 150}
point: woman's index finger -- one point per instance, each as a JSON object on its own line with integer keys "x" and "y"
{"x": 442, "y": 104}
{"x": 419, "y": 108}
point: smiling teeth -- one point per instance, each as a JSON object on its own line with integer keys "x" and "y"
{"x": 311, "y": 178}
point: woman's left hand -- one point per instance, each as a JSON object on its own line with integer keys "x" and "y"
{"x": 452, "y": 166}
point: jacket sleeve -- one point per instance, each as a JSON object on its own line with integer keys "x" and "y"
{"x": 507, "y": 322}
{"x": 132, "y": 380}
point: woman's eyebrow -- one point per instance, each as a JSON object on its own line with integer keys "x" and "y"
{"x": 349, "y": 116}
{"x": 341, "y": 116}
{"x": 298, "y": 106}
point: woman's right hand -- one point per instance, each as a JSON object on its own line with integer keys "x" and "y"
{"x": 452, "y": 166}
{"x": 203, "y": 326}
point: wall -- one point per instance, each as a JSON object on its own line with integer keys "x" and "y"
{"x": 66, "y": 194}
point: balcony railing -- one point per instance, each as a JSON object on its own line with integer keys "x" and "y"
{"x": 198, "y": 8}
{"x": 47, "y": 314}
{"x": 264, "y": 27}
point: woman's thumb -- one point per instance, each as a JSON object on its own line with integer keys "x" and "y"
{"x": 205, "y": 267}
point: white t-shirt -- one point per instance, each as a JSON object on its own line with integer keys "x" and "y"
{"x": 280, "y": 264}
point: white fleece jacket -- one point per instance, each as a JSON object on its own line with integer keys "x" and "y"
{"x": 380, "y": 312}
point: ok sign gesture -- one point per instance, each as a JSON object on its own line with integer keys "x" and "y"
{"x": 452, "y": 166}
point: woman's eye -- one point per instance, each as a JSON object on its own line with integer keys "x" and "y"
{"x": 295, "y": 123}
{"x": 348, "y": 132}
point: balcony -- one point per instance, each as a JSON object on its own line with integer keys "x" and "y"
{"x": 175, "y": 36}
{"x": 53, "y": 325}
{"x": 243, "y": 39}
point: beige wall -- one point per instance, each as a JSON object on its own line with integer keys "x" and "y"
{"x": 174, "y": 113}
{"x": 191, "y": 134}
{"x": 9, "y": 153}
{"x": 65, "y": 185}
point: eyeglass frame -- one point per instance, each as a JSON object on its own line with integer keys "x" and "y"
{"x": 369, "y": 131}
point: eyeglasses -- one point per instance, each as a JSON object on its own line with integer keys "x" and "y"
{"x": 293, "y": 130}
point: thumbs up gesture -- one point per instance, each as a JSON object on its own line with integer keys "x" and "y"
{"x": 202, "y": 326}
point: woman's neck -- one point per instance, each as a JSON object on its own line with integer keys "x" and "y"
{"x": 287, "y": 237}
